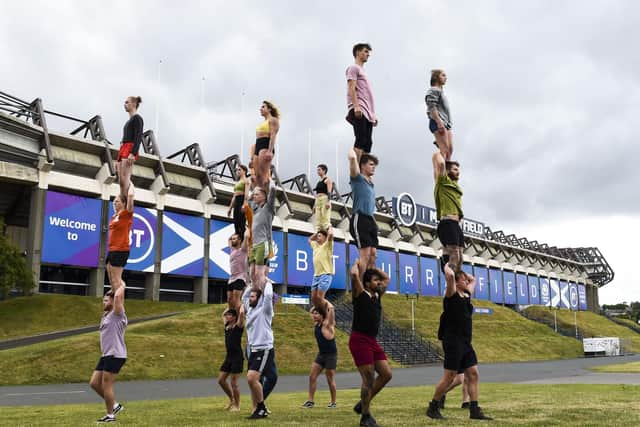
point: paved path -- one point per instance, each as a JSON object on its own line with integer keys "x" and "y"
{"x": 571, "y": 371}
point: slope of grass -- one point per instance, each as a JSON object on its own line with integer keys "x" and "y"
{"x": 591, "y": 324}
{"x": 189, "y": 345}
{"x": 41, "y": 313}
{"x": 629, "y": 322}
{"x": 627, "y": 368}
{"x": 509, "y": 404}
{"x": 499, "y": 337}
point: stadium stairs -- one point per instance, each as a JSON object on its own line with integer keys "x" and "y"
{"x": 617, "y": 321}
{"x": 402, "y": 345}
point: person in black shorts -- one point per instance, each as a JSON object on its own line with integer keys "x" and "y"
{"x": 455, "y": 333}
{"x": 324, "y": 329}
{"x": 234, "y": 360}
{"x": 130, "y": 144}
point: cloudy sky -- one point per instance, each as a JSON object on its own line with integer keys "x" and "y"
{"x": 545, "y": 95}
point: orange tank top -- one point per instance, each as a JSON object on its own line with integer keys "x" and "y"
{"x": 119, "y": 228}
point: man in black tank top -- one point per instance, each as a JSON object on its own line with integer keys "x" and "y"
{"x": 234, "y": 360}
{"x": 367, "y": 288}
{"x": 324, "y": 322}
{"x": 455, "y": 332}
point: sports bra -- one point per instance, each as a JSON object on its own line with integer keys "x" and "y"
{"x": 263, "y": 127}
{"x": 239, "y": 186}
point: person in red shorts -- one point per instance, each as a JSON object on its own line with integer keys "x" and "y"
{"x": 368, "y": 286}
{"x": 119, "y": 229}
{"x": 131, "y": 140}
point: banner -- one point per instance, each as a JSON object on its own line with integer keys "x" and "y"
{"x": 182, "y": 244}
{"x": 534, "y": 289}
{"x": 545, "y": 292}
{"x": 430, "y": 276}
{"x": 564, "y": 294}
{"x": 71, "y": 230}
{"x": 495, "y": 281}
{"x": 582, "y": 297}
{"x": 219, "y": 250}
{"x": 300, "y": 262}
{"x": 386, "y": 261}
{"x": 467, "y": 268}
{"x": 522, "y": 288}
{"x": 509, "y": 278}
{"x": 573, "y": 296}
{"x": 340, "y": 264}
{"x": 554, "y": 288}
{"x": 409, "y": 274}
{"x": 482, "y": 282}
{"x": 142, "y": 239}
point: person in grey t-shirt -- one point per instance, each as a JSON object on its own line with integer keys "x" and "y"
{"x": 440, "y": 123}
{"x": 114, "y": 351}
{"x": 263, "y": 205}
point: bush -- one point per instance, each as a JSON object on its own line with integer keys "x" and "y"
{"x": 14, "y": 272}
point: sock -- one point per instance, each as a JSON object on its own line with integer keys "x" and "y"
{"x": 473, "y": 404}
{"x": 115, "y": 404}
{"x": 110, "y": 415}
{"x": 260, "y": 405}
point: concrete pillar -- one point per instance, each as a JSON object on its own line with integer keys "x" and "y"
{"x": 97, "y": 275}
{"x": 152, "y": 280}
{"x": 201, "y": 284}
{"x": 34, "y": 243}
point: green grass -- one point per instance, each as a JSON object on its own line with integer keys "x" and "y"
{"x": 189, "y": 345}
{"x": 37, "y": 314}
{"x": 627, "y": 368}
{"x": 499, "y": 337}
{"x": 509, "y": 404}
{"x": 591, "y": 324}
{"x": 629, "y": 322}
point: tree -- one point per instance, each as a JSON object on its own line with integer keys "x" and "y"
{"x": 14, "y": 273}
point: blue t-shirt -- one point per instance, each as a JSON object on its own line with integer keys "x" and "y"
{"x": 364, "y": 196}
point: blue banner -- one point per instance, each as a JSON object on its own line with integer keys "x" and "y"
{"x": 482, "y": 282}
{"x": 522, "y": 289}
{"x": 409, "y": 274}
{"x": 509, "y": 287}
{"x": 276, "y": 263}
{"x": 142, "y": 239}
{"x": 182, "y": 244}
{"x": 495, "y": 280}
{"x": 430, "y": 276}
{"x": 554, "y": 288}
{"x": 482, "y": 310}
{"x": 573, "y": 296}
{"x": 219, "y": 250}
{"x": 534, "y": 289}
{"x": 387, "y": 262}
{"x": 582, "y": 297}
{"x": 564, "y": 294}
{"x": 467, "y": 268}
{"x": 545, "y": 292}
{"x": 340, "y": 263}
{"x": 300, "y": 260}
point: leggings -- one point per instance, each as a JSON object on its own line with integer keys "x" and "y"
{"x": 239, "y": 220}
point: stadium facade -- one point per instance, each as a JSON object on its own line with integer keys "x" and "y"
{"x": 55, "y": 197}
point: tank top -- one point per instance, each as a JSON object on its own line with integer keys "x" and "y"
{"x": 321, "y": 186}
{"x": 367, "y": 313}
{"x": 456, "y": 319}
{"x": 233, "y": 341}
{"x": 263, "y": 127}
{"x": 119, "y": 228}
{"x": 112, "y": 327}
{"x": 239, "y": 186}
{"x": 325, "y": 346}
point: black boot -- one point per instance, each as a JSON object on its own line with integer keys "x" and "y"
{"x": 475, "y": 412}
{"x": 444, "y": 397}
{"x": 433, "y": 411}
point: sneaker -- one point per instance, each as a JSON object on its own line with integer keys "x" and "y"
{"x": 267, "y": 410}
{"x": 358, "y": 408}
{"x": 107, "y": 419}
{"x": 368, "y": 420}
{"x": 465, "y": 405}
{"x": 257, "y": 414}
{"x": 433, "y": 411}
{"x": 477, "y": 414}
{"x": 332, "y": 405}
{"x": 117, "y": 409}
{"x": 442, "y": 400}
{"x": 308, "y": 404}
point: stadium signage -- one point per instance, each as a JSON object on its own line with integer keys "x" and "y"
{"x": 295, "y": 299}
{"x": 483, "y": 310}
{"x": 408, "y": 212}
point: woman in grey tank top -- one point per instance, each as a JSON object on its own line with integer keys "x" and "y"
{"x": 440, "y": 123}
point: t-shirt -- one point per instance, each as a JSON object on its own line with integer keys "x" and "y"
{"x": 119, "y": 228}
{"x": 238, "y": 264}
{"x": 323, "y": 258}
{"x": 233, "y": 342}
{"x": 448, "y": 197}
{"x": 363, "y": 92}
{"x": 263, "y": 217}
{"x": 132, "y": 132}
{"x": 367, "y": 313}
{"x": 363, "y": 194}
{"x": 456, "y": 319}
{"x": 112, "y": 327}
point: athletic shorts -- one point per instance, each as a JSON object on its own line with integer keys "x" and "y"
{"x": 261, "y": 359}
{"x": 365, "y": 349}
{"x": 362, "y": 129}
{"x": 364, "y": 229}
{"x": 433, "y": 126}
{"x": 117, "y": 258}
{"x": 458, "y": 355}
{"x": 110, "y": 364}
{"x": 450, "y": 233}
{"x": 322, "y": 282}
{"x": 125, "y": 150}
{"x": 236, "y": 285}
{"x": 262, "y": 144}
{"x": 259, "y": 254}
{"x": 327, "y": 360}
{"x": 233, "y": 364}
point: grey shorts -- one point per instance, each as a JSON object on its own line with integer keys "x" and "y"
{"x": 327, "y": 360}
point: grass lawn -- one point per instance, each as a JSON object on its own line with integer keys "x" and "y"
{"x": 40, "y": 313}
{"x": 591, "y": 324}
{"x": 629, "y": 322}
{"x": 189, "y": 345}
{"x": 499, "y": 337}
{"x": 627, "y": 368}
{"x": 525, "y": 405}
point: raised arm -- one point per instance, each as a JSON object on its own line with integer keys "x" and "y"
{"x": 471, "y": 283}
{"x": 439, "y": 167}
{"x": 329, "y": 187}
{"x": 356, "y": 279}
{"x": 271, "y": 197}
{"x": 245, "y": 296}
{"x": 268, "y": 298}
{"x": 313, "y": 238}
{"x": 241, "y": 317}
{"x": 131, "y": 194}
{"x": 385, "y": 281}
{"x": 329, "y": 322}
{"x": 354, "y": 168}
{"x": 450, "y": 279}
{"x": 274, "y": 126}
{"x": 118, "y": 300}
{"x": 330, "y": 234}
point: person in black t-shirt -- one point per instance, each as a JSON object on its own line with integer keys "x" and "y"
{"x": 130, "y": 144}
{"x": 367, "y": 287}
{"x": 234, "y": 360}
{"x": 455, "y": 332}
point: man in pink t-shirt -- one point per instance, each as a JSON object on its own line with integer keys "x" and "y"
{"x": 237, "y": 270}
{"x": 362, "y": 114}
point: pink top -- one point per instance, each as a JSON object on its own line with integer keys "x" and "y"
{"x": 238, "y": 264}
{"x": 363, "y": 92}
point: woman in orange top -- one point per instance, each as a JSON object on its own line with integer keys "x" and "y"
{"x": 119, "y": 229}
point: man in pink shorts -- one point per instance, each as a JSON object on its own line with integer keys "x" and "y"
{"x": 367, "y": 287}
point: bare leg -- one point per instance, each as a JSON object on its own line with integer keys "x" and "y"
{"x": 237, "y": 298}
{"x": 96, "y": 383}
{"x": 222, "y": 381}
{"x": 450, "y": 143}
{"x": 465, "y": 390}
{"x": 230, "y": 300}
{"x": 317, "y": 297}
{"x": 124, "y": 176}
{"x": 331, "y": 382}
{"x": 116, "y": 275}
{"x": 384, "y": 376}
{"x": 253, "y": 378}
{"x": 443, "y": 385}
{"x": 107, "y": 389}
{"x": 358, "y": 153}
{"x": 442, "y": 141}
{"x": 367, "y": 373}
{"x": 235, "y": 390}
{"x": 474, "y": 377}
{"x": 459, "y": 379}
{"x": 313, "y": 379}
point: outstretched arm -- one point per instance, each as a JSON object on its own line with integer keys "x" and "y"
{"x": 471, "y": 283}
{"x": 241, "y": 317}
{"x": 356, "y": 279}
{"x": 439, "y": 167}
{"x": 118, "y": 300}
{"x": 130, "y": 197}
{"x": 450, "y": 279}
{"x": 268, "y": 298}
{"x": 354, "y": 169}
{"x": 385, "y": 281}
